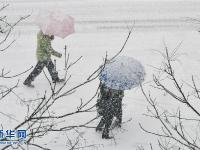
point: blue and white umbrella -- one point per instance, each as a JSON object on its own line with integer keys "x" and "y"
{"x": 122, "y": 73}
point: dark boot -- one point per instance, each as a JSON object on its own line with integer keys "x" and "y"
{"x": 105, "y": 134}
{"x": 58, "y": 80}
{"x": 28, "y": 83}
{"x": 36, "y": 71}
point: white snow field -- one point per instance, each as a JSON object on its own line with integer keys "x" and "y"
{"x": 101, "y": 26}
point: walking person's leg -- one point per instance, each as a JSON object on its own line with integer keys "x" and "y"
{"x": 101, "y": 124}
{"x": 119, "y": 114}
{"x": 36, "y": 71}
{"x": 108, "y": 121}
{"x": 52, "y": 70}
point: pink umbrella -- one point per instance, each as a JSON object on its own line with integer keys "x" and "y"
{"x": 54, "y": 23}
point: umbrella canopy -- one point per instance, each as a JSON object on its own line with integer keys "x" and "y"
{"x": 122, "y": 73}
{"x": 55, "y": 23}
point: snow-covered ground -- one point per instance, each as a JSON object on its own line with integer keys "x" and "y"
{"x": 101, "y": 28}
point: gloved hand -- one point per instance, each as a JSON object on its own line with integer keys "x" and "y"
{"x": 59, "y": 55}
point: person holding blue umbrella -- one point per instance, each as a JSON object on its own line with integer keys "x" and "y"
{"x": 122, "y": 73}
{"x": 109, "y": 105}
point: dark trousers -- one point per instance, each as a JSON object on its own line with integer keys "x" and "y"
{"x": 38, "y": 69}
{"x": 107, "y": 121}
{"x": 110, "y": 111}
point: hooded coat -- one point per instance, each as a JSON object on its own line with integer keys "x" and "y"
{"x": 109, "y": 101}
{"x": 44, "y": 49}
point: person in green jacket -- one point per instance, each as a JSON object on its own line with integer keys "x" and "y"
{"x": 44, "y": 52}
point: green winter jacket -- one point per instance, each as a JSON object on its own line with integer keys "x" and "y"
{"x": 44, "y": 49}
